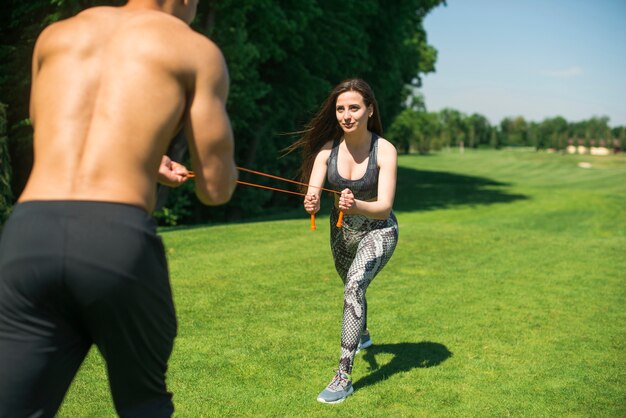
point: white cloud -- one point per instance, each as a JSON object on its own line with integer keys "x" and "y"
{"x": 573, "y": 71}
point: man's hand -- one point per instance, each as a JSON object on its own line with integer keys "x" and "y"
{"x": 171, "y": 173}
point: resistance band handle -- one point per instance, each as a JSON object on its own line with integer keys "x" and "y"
{"x": 340, "y": 220}
{"x": 313, "y": 227}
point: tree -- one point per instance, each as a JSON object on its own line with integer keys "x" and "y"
{"x": 401, "y": 131}
{"x": 533, "y": 135}
{"x": 425, "y": 138}
{"x": 597, "y": 130}
{"x": 554, "y": 133}
{"x": 283, "y": 57}
{"x": 514, "y": 131}
{"x": 452, "y": 126}
{"x": 478, "y": 130}
{"x": 619, "y": 138}
{"x": 414, "y": 131}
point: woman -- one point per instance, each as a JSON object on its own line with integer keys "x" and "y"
{"x": 342, "y": 143}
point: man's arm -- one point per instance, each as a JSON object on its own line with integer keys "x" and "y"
{"x": 208, "y": 130}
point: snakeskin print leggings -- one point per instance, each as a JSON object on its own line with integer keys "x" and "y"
{"x": 361, "y": 248}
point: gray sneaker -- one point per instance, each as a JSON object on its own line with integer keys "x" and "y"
{"x": 365, "y": 342}
{"x": 337, "y": 390}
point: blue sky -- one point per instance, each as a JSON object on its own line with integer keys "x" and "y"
{"x": 530, "y": 58}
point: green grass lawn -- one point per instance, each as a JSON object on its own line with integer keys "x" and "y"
{"x": 506, "y": 297}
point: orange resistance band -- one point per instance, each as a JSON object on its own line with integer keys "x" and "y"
{"x": 313, "y": 227}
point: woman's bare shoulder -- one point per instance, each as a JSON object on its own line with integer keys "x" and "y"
{"x": 385, "y": 146}
{"x": 324, "y": 153}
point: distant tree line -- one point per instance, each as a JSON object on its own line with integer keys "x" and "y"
{"x": 283, "y": 56}
{"x": 416, "y": 130}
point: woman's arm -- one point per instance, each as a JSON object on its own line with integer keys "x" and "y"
{"x": 316, "y": 179}
{"x": 381, "y": 208}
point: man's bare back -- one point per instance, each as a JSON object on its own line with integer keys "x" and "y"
{"x": 80, "y": 259}
{"x": 111, "y": 87}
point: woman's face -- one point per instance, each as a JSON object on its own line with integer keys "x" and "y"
{"x": 352, "y": 113}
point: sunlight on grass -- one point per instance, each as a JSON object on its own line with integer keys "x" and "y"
{"x": 506, "y": 297}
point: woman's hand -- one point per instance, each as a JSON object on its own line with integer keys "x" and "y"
{"x": 311, "y": 203}
{"x": 347, "y": 202}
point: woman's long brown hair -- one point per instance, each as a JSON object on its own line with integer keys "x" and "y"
{"x": 323, "y": 127}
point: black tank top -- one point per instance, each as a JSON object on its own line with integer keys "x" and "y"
{"x": 365, "y": 188}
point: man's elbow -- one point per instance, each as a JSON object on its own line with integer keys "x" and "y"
{"x": 215, "y": 196}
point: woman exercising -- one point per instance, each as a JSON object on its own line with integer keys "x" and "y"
{"x": 342, "y": 144}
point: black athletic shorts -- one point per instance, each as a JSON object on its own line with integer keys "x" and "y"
{"x": 77, "y": 273}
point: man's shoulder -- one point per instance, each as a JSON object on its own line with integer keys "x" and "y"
{"x": 85, "y": 21}
{"x": 146, "y": 22}
{"x": 97, "y": 11}
{"x": 167, "y": 29}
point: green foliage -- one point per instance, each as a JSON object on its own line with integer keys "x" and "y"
{"x": 619, "y": 138}
{"x": 283, "y": 58}
{"x": 6, "y": 195}
{"x": 514, "y": 130}
{"x": 178, "y": 206}
{"x": 478, "y": 130}
{"x": 168, "y": 217}
{"x": 452, "y": 126}
{"x": 553, "y": 132}
{"x": 417, "y": 130}
{"x": 504, "y": 298}
{"x": 403, "y": 130}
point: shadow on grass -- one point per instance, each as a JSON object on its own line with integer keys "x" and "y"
{"x": 406, "y": 356}
{"x": 420, "y": 190}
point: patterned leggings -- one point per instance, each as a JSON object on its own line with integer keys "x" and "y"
{"x": 361, "y": 248}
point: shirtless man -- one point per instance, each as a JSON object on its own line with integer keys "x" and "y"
{"x": 80, "y": 261}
